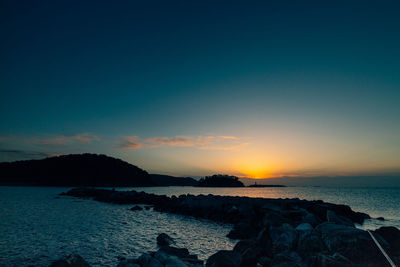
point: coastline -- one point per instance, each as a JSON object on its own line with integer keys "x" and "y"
{"x": 277, "y": 231}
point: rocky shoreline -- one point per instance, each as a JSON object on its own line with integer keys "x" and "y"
{"x": 271, "y": 232}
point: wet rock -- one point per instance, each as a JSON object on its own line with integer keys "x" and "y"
{"x": 274, "y": 218}
{"x": 264, "y": 241}
{"x": 134, "y": 208}
{"x": 148, "y": 261}
{"x": 304, "y": 227}
{"x": 73, "y": 260}
{"x": 380, "y": 219}
{"x": 354, "y": 244}
{"x": 287, "y": 258}
{"x": 224, "y": 258}
{"x": 178, "y": 252}
{"x": 243, "y": 230}
{"x": 250, "y": 250}
{"x": 128, "y": 263}
{"x": 335, "y": 260}
{"x": 311, "y": 219}
{"x": 332, "y": 217}
{"x": 310, "y": 244}
{"x": 164, "y": 240}
{"x": 169, "y": 260}
{"x": 283, "y": 237}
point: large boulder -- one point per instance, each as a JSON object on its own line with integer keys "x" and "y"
{"x": 283, "y": 237}
{"x": 311, "y": 219}
{"x": 164, "y": 240}
{"x": 304, "y": 227}
{"x": 251, "y": 251}
{"x": 335, "y": 260}
{"x": 73, "y": 260}
{"x": 243, "y": 230}
{"x": 224, "y": 258}
{"x": 332, "y": 217}
{"x": 354, "y": 244}
{"x": 310, "y": 244}
{"x": 129, "y": 263}
{"x": 169, "y": 260}
{"x": 148, "y": 261}
{"x": 178, "y": 252}
{"x": 287, "y": 259}
{"x": 274, "y": 218}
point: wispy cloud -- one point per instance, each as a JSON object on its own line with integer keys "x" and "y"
{"x": 62, "y": 140}
{"x": 131, "y": 142}
{"x": 208, "y": 142}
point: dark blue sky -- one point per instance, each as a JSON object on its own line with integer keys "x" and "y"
{"x": 192, "y": 87}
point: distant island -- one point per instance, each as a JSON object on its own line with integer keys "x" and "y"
{"x": 97, "y": 170}
{"x": 74, "y": 170}
{"x": 220, "y": 180}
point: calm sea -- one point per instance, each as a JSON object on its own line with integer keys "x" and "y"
{"x": 37, "y": 226}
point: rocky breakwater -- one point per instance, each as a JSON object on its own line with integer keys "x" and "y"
{"x": 274, "y": 232}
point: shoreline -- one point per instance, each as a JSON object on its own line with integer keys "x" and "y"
{"x": 279, "y": 231}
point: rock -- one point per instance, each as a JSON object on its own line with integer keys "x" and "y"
{"x": 73, "y": 260}
{"x": 149, "y": 261}
{"x": 178, "y": 252}
{"x": 335, "y": 260}
{"x": 264, "y": 261}
{"x": 392, "y": 236}
{"x": 287, "y": 258}
{"x": 304, "y": 227}
{"x": 264, "y": 241}
{"x": 311, "y": 219}
{"x": 224, "y": 258}
{"x": 283, "y": 237}
{"x": 164, "y": 240}
{"x": 243, "y": 230}
{"x": 380, "y": 218}
{"x": 134, "y": 208}
{"x": 169, "y": 260}
{"x": 354, "y": 244}
{"x": 332, "y": 217}
{"x": 274, "y": 218}
{"x": 250, "y": 250}
{"x": 310, "y": 244}
{"x": 128, "y": 263}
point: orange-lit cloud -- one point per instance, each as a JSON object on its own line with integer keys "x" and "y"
{"x": 201, "y": 142}
{"x": 131, "y": 142}
{"x": 61, "y": 140}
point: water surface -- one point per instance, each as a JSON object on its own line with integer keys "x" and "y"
{"x": 37, "y": 226}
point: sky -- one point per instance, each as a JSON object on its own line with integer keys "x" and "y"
{"x": 190, "y": 88}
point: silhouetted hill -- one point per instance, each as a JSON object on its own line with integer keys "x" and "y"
{"x": 166, "y": 180}
{"x": 74, "y": 170}
{"x": 220, "y": 180}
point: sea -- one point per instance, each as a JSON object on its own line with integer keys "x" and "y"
{"x": 37, "y": 226}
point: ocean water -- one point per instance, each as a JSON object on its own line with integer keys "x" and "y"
{"x": 37, "y": 226}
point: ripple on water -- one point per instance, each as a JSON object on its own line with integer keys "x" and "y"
{"x": 36, "y": 229}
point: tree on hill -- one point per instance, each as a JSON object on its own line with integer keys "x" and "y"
{"x": 220, "y": 180}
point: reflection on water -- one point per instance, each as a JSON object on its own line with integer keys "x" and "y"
{"x": 36, "y": 227}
